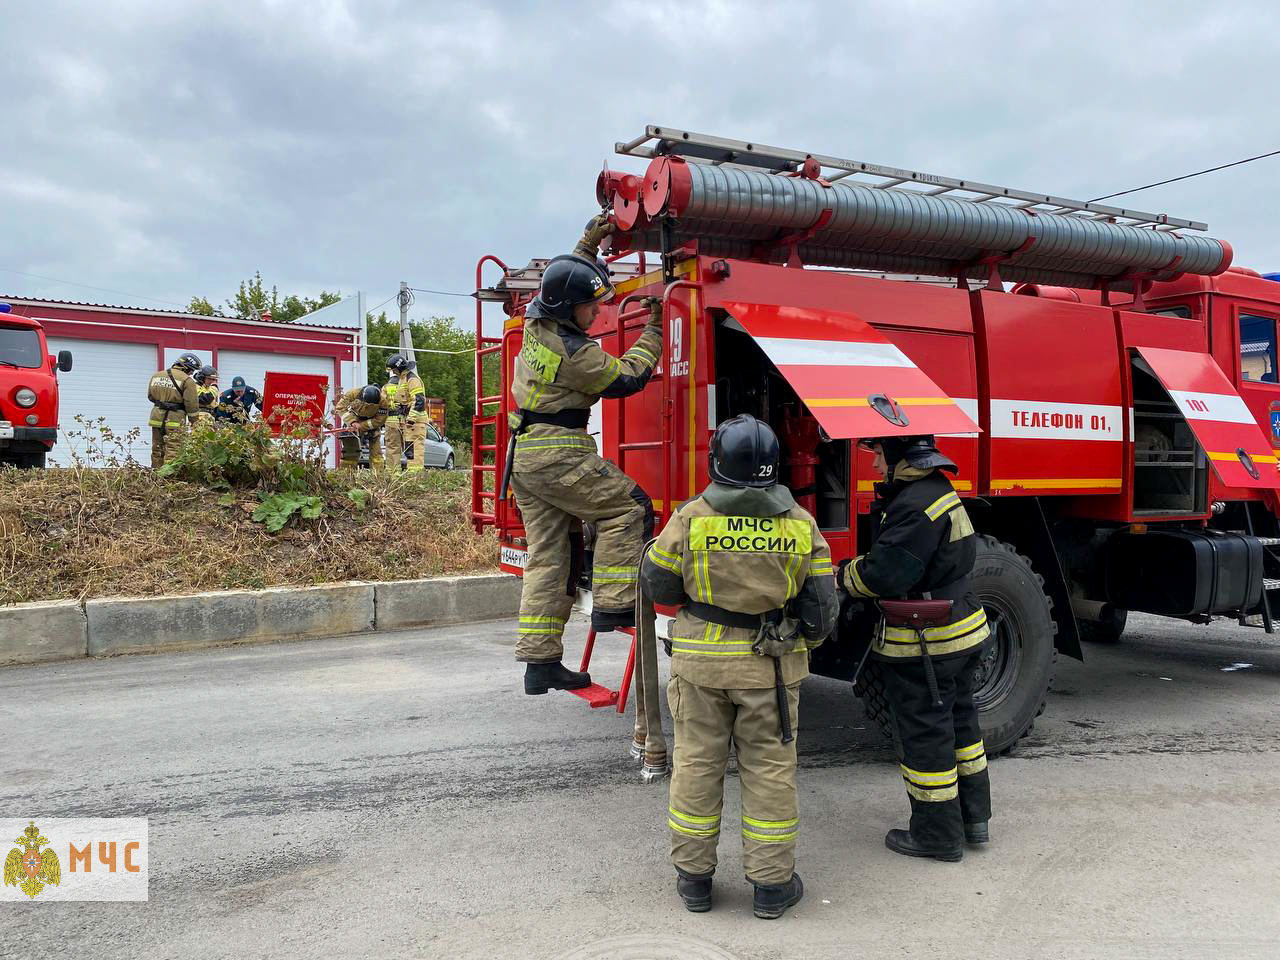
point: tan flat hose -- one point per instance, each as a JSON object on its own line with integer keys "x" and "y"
{"x": 648, "y": 729}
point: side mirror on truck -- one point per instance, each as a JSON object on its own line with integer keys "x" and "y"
{"x": 64, "y": 360}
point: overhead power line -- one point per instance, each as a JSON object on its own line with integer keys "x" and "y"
{"x": 86, "y": 286}
{"x": 443, "y": 293}
{"x": 1188, "y": 176}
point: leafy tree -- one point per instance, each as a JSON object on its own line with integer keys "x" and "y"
{"x": 448, "y": 375}
{"x": 202, "y": 307}
{"x": 253, "y": 298}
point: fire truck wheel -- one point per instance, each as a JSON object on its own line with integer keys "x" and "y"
{"x": 29, "y": 461}
{"x": 1018, "y": 659}
{"x": 1104, "y": 631}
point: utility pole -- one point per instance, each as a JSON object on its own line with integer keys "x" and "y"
{"x": 406, "y": 338}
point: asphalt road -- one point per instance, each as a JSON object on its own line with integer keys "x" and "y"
{"x": 396, "y": 795}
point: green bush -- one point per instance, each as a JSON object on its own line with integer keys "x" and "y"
{"x": 225, "y": 456}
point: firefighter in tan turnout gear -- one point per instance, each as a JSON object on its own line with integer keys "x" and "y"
{"x": 753, "y": 578}
{"x": 174, "y": 394}
{"x": 406, "y": 424}
{"x": 555, "y": 472}
{"x": 206, "y": 379}
{"x": 923, "y": 550}
{"x": 363, "y": 411}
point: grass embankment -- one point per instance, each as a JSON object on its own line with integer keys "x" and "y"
{"x": 80, "y": 532}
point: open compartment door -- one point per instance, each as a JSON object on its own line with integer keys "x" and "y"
{"x": 854, "y": 381}
{"x": 1232, "y": 440}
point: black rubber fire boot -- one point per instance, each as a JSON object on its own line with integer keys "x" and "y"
{"x": 977, "y": 833}
{"x": 772, "y": 900}
{"x": 605, "y": 621}
{"x": 694, "y": 890}
{"x": 541, "y": 677}
{"x": 901, "y": 841}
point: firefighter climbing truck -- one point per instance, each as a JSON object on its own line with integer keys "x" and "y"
{"x": 1115, "y": 414}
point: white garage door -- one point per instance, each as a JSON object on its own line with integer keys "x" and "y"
{"x": 254, "y": 366}
{"x": 106, "y": 380}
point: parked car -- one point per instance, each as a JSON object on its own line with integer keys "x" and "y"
{"x": 437, "y": 451}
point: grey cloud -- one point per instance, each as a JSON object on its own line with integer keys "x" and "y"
{"x": 172, "y": 149}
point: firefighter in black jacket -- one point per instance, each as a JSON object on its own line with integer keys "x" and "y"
{"x": 924, "y": 548}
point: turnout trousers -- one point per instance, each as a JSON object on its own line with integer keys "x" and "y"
{"x": 943, "y": 761}
{"x": 166, "y": 439}
{"x": 708, "y": 721}
{"x": 405, "y": 439}
{"x": 552, "y": 493}
{"x": 349, "y": 446}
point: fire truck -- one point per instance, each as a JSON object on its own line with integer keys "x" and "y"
{"x": 1105, "y": 379}
{"x": 28, "y": 390}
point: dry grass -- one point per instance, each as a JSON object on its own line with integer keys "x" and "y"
{"x": 82, "y": 532}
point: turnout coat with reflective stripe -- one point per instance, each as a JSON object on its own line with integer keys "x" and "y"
{"x": 560, "y": 368}
{"x": 923, "y": 543}
{"x": 745, "y": 564}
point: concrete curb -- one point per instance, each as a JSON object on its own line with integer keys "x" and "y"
{"x": 60, "y": 630}
{"x": 36, "y": 632}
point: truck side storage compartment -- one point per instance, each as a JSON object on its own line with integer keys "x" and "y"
{"x": 1182, "y": 573}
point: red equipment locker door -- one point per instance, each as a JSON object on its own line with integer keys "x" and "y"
{"x": 1236, "y": 448}
{"x": 839, "y": 366}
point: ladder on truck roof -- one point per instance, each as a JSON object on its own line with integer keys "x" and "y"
{"x": 703, "y": 148}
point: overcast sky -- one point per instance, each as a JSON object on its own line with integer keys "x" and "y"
{"x": 169, "y": 149}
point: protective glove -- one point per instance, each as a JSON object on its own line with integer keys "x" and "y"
{"x": 655, "y": 311}
{"x": 769, "y": 642}
{"x": 840, "y": 577}
{"x": 402, "y": 409}
{"x": 597, "y": 228}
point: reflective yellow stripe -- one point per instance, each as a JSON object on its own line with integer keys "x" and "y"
{"x": 822, "y": 568}
{"x": 751, "y": 535}
{"x": 665, "y": 560}
{"x": 690, "y": 818}
{"x": 690, "y": 832}
{"x": 858, "y": 583}
{"x": 942, "y": 505}
{"x": 929, "y": 779}
{"x": 969, "y": 767}
{"x": 938, "y": 634}
{"x": 770, "y": 831}
{"x": 613, "y": 371}
{"x": 770, "y": 824}
{"x": 720, "y": 648}
{"x": 535, "y": 396}
{"x": 641, "y": 351}
{"x": 934, "y": 796}
{"x": 526, "y": 441}
{"x": 971, "y": 752}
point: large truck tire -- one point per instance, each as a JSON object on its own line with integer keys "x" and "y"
{"x": 1018, "y": 659}
{"x": 1104, "y": 631}
{"x": 24, "y": 461}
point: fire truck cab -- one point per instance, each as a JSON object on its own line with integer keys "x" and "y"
{"x": 28, "y": 390}
{"x": 1117, "y": 450}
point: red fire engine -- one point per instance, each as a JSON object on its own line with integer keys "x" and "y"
{"x": 28, "y": 390}
{"x": 1115, "y": 415}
